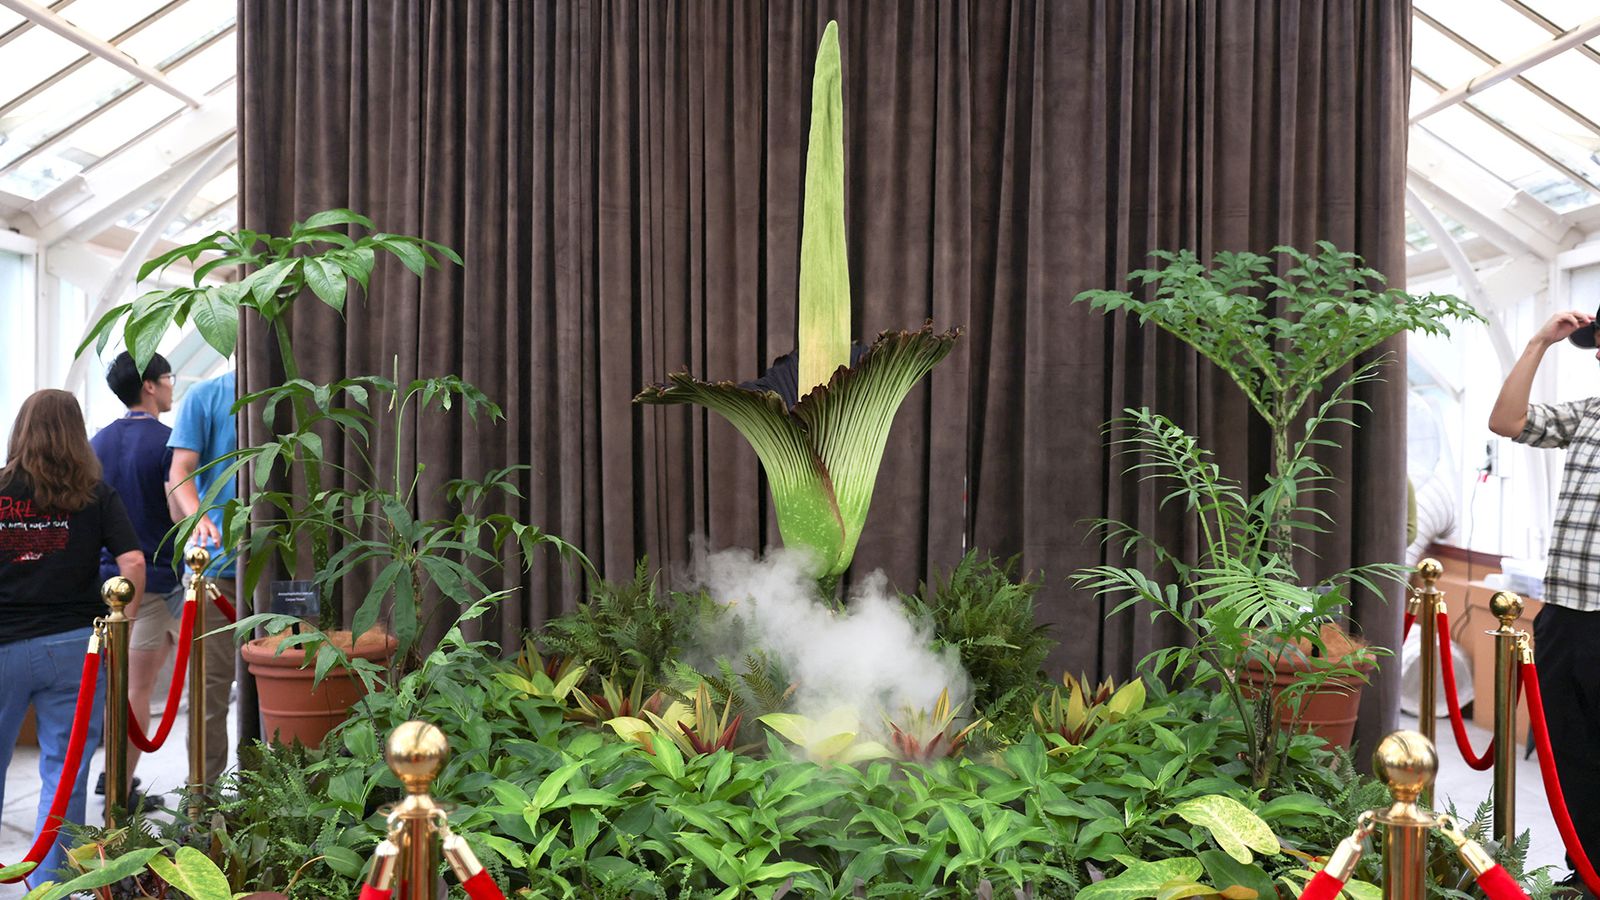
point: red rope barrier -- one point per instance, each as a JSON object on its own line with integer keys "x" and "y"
{"x": 222, "y": 604}
{"x": 180, "y": 668}
{"x": 69, "y": 769}
{"x": 482, "y": 887}
{"x": 1552, "y": 784}
{"x": 368, "y": 892}
{"x": 1411, "y": 619}
{"x": 1457, "y": 723}
{"x": 1322, "y": 887}
{"x": 1499, "y": 885}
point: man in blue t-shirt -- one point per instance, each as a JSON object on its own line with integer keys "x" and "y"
{"x": 203, "y": 433}
{"x": 134, "y": 459}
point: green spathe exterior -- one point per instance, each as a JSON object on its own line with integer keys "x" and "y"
{"x": 821, "y": 448}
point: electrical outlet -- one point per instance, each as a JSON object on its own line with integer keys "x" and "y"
{"x": 1491, "y": 457}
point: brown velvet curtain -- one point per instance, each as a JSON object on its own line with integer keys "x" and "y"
{"x": 624, "y": 182}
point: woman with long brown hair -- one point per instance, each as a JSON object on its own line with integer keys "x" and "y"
{"x": 55, "y": 516}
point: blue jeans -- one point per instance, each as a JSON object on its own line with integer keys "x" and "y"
{"x": 45, "y": 671}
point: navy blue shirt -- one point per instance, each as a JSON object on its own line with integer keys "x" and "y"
{"x": 134, "y": 459}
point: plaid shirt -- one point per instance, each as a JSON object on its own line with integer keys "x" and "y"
{"x": 1573, "y": 577}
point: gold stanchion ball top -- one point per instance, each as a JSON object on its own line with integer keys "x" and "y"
{"x": 117, "y": 592}
{"x": 1505, "y": 606}
{"x": 1407, "y": 762}
{"x": 416, "y": 752}
{"x": 1430, "y": 569}
{"x": 197, "y": 558}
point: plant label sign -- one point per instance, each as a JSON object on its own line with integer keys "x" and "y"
{"x": 296, "y": 598}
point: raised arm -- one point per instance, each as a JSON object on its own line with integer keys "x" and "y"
{"x": 1510, "y": 413}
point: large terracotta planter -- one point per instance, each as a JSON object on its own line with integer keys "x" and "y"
{"x": 1329, "y": 712}
{"x": 291, "y": 710}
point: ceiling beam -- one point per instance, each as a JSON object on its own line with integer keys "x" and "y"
{"x": 45, "y": 18}
{"x": 1539, "y": 19}
{"x": 1512, "y": 219}
{"x": 1508, "y": 69}
{"x": 1522, "y": 80}
{"x": 22, "y": 27}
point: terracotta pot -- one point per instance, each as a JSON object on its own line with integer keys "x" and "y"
{"x": 291, "y": 710}
{"x": 1328, "y": 712}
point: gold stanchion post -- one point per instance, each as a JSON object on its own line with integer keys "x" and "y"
{"x": 1430, "y": 604}
{"x": 1407, "y": 762}
{"x": 197, "y": 558}
{"x": 1507, "y": 607}
{"x": 416, "y": 751}
{"x": 118, "y": 593}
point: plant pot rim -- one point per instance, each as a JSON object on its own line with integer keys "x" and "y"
{"x": 264, "y": 651}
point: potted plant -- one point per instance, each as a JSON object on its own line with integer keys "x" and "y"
{"x": 1280, "y": 338}
{"x": 367, "y": 522}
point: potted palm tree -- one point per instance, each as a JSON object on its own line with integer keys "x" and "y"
{"x": 1257, "y": 628}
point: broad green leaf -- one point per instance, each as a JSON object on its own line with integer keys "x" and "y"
{"x": 193, "y": 873}
{"x": 1235, "y": 828}
{"x": 326, "y": 280}
{"x": 112, "y": 872}
{"x": 1144, "y": 879}
{"x": 824, "y": 329}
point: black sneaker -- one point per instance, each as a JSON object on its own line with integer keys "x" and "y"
{"x": 100, "y": 786}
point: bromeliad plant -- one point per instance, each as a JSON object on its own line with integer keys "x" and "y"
{"x": 1073, "y": 717}
{"x": 819, "y": 419}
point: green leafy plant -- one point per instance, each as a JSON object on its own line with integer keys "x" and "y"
{"x": 1280, "y": 337}
{"x": 315, "y": 257}
{"x": 982, "y": 610}
{"x": 627, "y": 628}
{"x": 819, "y": 420}
{"x": 371, "y": 515}
{"x": 1241, "y": 602}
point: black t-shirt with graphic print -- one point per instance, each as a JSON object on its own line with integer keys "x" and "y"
{"x": 50, "y": 562}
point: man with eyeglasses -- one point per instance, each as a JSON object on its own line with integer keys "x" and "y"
{"x": 134, "y": 459}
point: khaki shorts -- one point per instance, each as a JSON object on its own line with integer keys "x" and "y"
{"x": 156, "y": 628}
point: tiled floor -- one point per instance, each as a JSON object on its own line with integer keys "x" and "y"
{"x": 1460, "y": 783}
{"x": 162, "y": 771}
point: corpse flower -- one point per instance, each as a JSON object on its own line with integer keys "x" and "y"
{"x": 819, "y": 418}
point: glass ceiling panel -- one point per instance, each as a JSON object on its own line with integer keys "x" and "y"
{"x": 35, "y": 55}
{"x": 206, "y": 69}
{"x": 1491, "y": 25}
{"x": 63, "y": 103}
{"x": 1565, "y": 13}
{"x": 180, "y": 30}
{"x": 90, "y": 143}
{"x": 1504, "y": 157}
{"x": 105, "y": 19}
{"x": 9, "y": 20}
{"x": 1543, "y": 125}
{"x": 1571, "y": 78}
{"x": 1440, "y": 58}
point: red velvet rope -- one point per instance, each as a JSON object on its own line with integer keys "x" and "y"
{"x": 223, "y": 606}
{"x": 1552, "y": 784}
{"x": 368, "y": 892}
{"x": 1499, "y": 885}
{"x": 482, "y": 887}
{"x": 1457, "y": 724}
{"x": 1411, "y": 619}
{"x": 69, "y": 769}
{"x": 1322, "y": 887}
{"x": 180, "y": 668}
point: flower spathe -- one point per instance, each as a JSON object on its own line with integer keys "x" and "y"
{"x": 821, "y": 455}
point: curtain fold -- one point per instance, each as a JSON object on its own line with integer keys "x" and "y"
{"x": 624, "y": 182}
